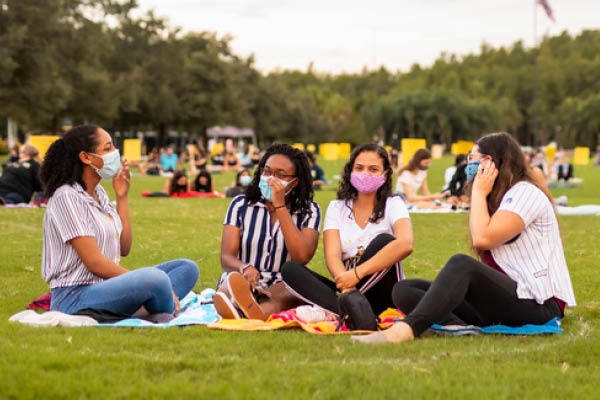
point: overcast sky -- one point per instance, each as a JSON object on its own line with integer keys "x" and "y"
{"x": 347, "y": 35}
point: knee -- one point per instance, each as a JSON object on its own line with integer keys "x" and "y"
{"x": 153, "y": 279}
{"x": 190, "y": 268}
{"x": 290, "y": 270}
{"x": 382, "y": 239}
{"x": 458, "y": 261}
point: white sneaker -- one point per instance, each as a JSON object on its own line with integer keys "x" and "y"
{"x": 309, "y": 313}
{"x": 561, "y": 201}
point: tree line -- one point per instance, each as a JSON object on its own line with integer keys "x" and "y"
{"x": 99, "y": 61}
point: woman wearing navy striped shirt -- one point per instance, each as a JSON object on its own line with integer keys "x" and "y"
{"x": 85, "y": 235}
{"x": 522, "y": 277}
{"x": 276, "y": 220}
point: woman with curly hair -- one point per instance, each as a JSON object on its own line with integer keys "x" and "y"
{"x": 274, "y": 221}
{"x": 85, "y": 235}
{"x": 521, "y": 277}
{"x": 367, "y": 234}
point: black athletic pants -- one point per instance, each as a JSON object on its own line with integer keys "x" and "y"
{"x": 468, "y": 292}
{"x": 316, "y": 289}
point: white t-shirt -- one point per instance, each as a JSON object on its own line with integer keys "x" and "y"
{"x": 448, "y": 174}
{"x": 536, "y": 259}
{"x": 339, "y": 217}
{"x": 414, "y": 181}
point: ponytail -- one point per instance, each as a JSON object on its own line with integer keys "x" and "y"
{"x": 61, "y": 164}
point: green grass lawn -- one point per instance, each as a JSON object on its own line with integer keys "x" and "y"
{"x": 195, "y": 362}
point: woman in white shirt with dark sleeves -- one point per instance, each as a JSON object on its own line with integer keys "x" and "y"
{"x": 522, "y": 275}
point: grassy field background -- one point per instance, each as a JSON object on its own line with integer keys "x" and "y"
{"x": 195, "y": 362}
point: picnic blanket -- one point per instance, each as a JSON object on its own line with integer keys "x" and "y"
{"x": 289, "y": 319}
{"x": 195, "y": 309}
{"x": 552, "y": 326}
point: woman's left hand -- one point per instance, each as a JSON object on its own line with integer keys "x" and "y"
{"x": 346, "y": 280}
{"x": 177, "y": 306}
{"x": 486, "y": 176}
{"x": 122, "y": 180}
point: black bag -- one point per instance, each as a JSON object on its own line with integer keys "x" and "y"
{"x": 356, "y": 311}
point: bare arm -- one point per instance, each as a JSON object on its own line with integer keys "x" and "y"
{"x": 411, "y": 195}
{"x": 93, "y": 259}
{"x": 396, "y": 250}
{"x": 121, "y": 184}
{"x": 489, "y": 232}
{"x": 333, "y": 252}
{"x": 300, "y": 243}
{"x": 230, "y": 247}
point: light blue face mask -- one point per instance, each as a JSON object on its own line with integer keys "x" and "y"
{"x": 471, "y": 169}
{"x": 112, "y": 164}
{"x": 265, "y": 189}
{"x": 245, "y": 180}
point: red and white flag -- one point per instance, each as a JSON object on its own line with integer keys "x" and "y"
{"x": 547, "y": 8}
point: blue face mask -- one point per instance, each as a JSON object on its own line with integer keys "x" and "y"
{"x": 245, "y": 180}
{"x": 265, "y": 189}
{"x": 111, "y": 164}
{"x": 471, "y": 169}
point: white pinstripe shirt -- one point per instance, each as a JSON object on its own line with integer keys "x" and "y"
{"x": 72, "y": 213}
{"x": 536, "y": 259}
{"x": 262, "y": 243}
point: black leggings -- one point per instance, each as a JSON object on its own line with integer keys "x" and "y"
{"x": 465, "y": 292}
{"x": 316, "y": 289}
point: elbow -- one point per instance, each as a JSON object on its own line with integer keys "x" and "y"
{"x": 481, "y": 243}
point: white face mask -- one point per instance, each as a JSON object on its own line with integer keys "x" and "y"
{"x": 112, "y": 164}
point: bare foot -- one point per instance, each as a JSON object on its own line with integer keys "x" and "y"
{"x": 399, "y": 332}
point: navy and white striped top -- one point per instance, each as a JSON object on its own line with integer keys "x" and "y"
{"x": 72, "y": 213}
{"x": 262, "y": 243}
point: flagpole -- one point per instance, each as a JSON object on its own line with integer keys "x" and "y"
{"x": 534, "y": 122}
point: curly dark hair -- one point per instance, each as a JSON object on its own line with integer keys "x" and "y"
{"x": 301, "y": 196}
{"x": 348, "y": 192}
{"x": 61, "y": 164}
{"x": 510, "y": 162}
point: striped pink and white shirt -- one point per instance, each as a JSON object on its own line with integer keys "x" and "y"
{"x": 72, "y": 213}
{"x": 536, "y": 259}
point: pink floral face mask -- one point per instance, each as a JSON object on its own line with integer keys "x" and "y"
{"x": 367, "y": 183}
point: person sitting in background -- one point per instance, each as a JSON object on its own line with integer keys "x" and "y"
{"x": 457, "y": 197}
{"x": 20, "y": 179}
{"x": 461, "y": 159}
{"x": 522, "y": 275}
{"x": 242, "y": 180}
{"x": 178, "y": 185}
{"x": 13, "y": 156}
{"x": 85, "y": 235}
{"x": 203, "y": 183}
{"x": 168, "y": 160}
{"x": 563, "y": 169}
{"x": 413, "y": 177}
{"x": 231, "y": 162}
{"x": 316, "y": 171}
{"x": 152, "y": 164}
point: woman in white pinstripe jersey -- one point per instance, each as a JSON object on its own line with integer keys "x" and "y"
{"x": 522, "y": 275}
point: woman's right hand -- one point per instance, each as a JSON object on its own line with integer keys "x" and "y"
{"x": 252, "y": 275}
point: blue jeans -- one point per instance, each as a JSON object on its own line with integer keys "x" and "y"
{"x": 151, "y": 287}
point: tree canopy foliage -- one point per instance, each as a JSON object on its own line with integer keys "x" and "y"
{"x": 99, "y": 61}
